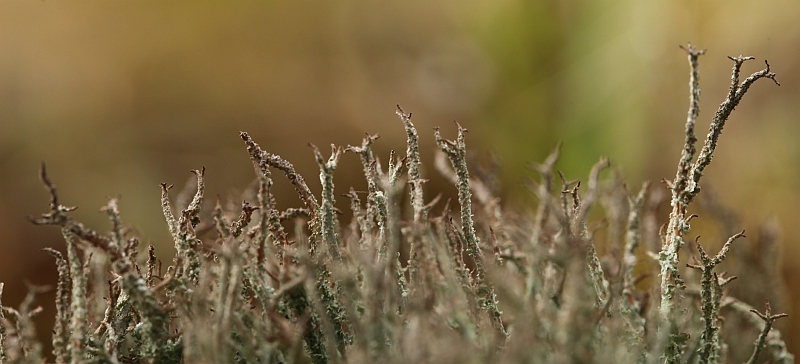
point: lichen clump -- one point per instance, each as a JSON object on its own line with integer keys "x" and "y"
{"x": 403, "y": 283}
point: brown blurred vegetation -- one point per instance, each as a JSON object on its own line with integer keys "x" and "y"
{"x": 119, "y": 96}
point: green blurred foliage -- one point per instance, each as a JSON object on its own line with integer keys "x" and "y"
{"x": 119, "y": 96}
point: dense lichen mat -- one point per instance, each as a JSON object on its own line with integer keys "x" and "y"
{"x": 422, "y": 281}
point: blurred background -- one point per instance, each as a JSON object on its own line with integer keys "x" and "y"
{"x": 118, "y": 97}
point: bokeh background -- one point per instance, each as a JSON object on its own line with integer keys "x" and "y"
{"x": 120, "y": 96}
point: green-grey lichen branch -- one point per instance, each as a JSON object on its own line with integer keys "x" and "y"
{"x": 599, "y": 280}
{"x": 413, "y": 163}
{"x": 266, "y": 159}
{"x": 685, "y": 186}
{"x": 457, "y": 153}
{"x": 328, "y": 214}
{"x": 710, "y": 293}
{"x": 61, "y": 331}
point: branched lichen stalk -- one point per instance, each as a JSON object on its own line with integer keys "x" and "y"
{"x": 457, "y": 153}
{"x": 633, "y": 238}
{"x": 78, "y": 301}
{"x": 773, "y": 340}
{"x": 392, "y": 191}
{"x": 412, "y": 163}
{"x": 269, "y": 223}
{"x": 719, "y": 347}
{"x": 735, "y": 95}
{"x": 57, "y": 216}
{"x": 154, "y": 326}
{"x": 187, "y": 242}
{"x": 61, "y": 331}
{"x": 166, "y": 207}
{"x": 358, "y": 216}
{"x": 678, "y": 226}
{"x": 271, "y": 160}
{"x": 769, "y": 319}
{"x": 709, "y": 307}
{"x": 266, "y": 160}
{"x": 329, "y": 225}
{"x": 686, "y": 183}
{"x": 370, "y": 173}
{"x": 599, "y": 280}
{"x": 112, "y": 211}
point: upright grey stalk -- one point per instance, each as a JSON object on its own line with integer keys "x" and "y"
{"x": 326, "y": 169}
{"x": 633, "y": 238}
{"x": 375, "y": 197}
{"x": 678, "y": 224}
{"x": 599, "y": 280}
{"x": 629, "y": 305}
{"x": 412, "y": 163}
{"x": 457, "y": 153}
{"x": 78, "y": 301}
{"x": 186, "y": 242}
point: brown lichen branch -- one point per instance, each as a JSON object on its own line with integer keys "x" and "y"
{"x": 57, "y": 216}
